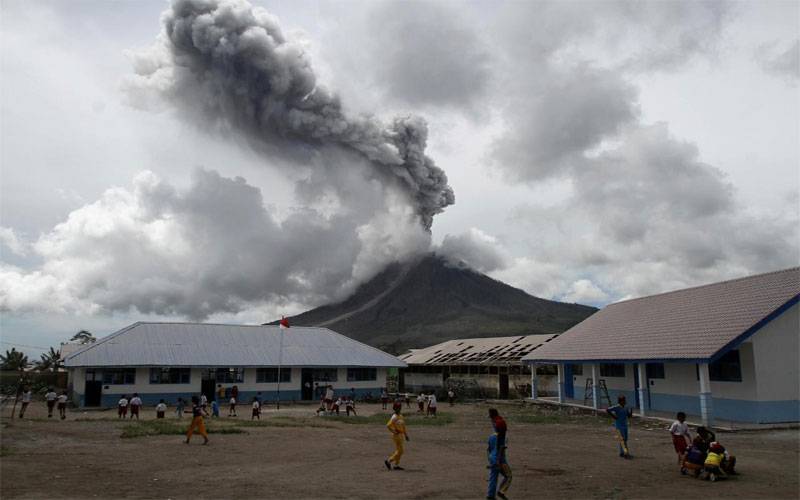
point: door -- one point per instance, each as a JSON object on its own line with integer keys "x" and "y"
{"x": 208, "y": 387}
{"x": 307, "y": 384}
{"x": 92, "y": 394}
{"x": 569, "y": 383}
{"x": 504, "y": 386}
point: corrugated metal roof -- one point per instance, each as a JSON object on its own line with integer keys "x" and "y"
{"x": 691, "y": 324}
{"x": 480, "y": 351}
{"x": 198, "y": 344}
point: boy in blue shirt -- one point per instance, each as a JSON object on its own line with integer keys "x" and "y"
{"x": 620, "y": 414}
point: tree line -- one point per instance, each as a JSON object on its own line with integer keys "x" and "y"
{"x": 14, "y": 360}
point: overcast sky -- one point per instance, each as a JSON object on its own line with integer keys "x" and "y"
{"x": 222, "y": 161}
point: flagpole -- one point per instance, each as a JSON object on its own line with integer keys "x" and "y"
{"x": 280, "y": 362}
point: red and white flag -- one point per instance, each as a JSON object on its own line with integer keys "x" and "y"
{"x": 284, "y": 322}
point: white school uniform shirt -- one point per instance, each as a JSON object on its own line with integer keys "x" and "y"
{"x": 432, "y": 401}
{"x": 203, "y": 399}
{"x": 62, "y": 398}
{"x": 233, "y": 401}
{"x": 137, "y": 401}
{"x": 161, "y": 407}
{"x": 123, "y": 402}
{"x": 329, "y": 394}
{"x": 421, "y": 398}
{"x": 26, "y": 397}
{"x": 51, "y": 396}
{"x": 256, "y": 406}
{"x": 679, "y": 429}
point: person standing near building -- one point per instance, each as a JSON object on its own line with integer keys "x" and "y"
{"x": 179, "y": 407}
{"x": 26, "y": 400}
{"x": 220, "y": 393}
{"x": 122, "y": 406}
{"x": 420, "y": 403}
{"x": 384, "y": 399}
{"x": 432, "y": 404}
{"x": 451, "y": 396}
{"x": 50, "y": 397}
{"x": 681, "y": 438}
{"x": 161, "y": 409}
{"x": 256, "y": 409}
{"x": 232, "y": 408}
{"x": 203, "y": 402}
{"x": 136, "y": 405}
{"x": 621, "y": 414}
{"x": 329, "y": 398}
{"x": 397, "y": 426}
{"x": 498, "y": 463}
{"x": 197, "y": 421}
{"x": 62, "y": 405}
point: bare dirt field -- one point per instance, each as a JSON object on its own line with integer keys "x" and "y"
{"x": 291, "y": 454}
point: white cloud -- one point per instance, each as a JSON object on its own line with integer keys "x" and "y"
{"x": 10, "y": 240}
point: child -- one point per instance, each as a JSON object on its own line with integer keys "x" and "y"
{"x": 620, "y": 414}
{"x": 713, "y": 463}
{"x": 179, "y": 407}
{"x": 432, "y": 404}
{"x": 161, "y": 409}
{"x": 421, "y": 403}
{"x": 62, "y": 405}
{"x": 204, "y": 402}
{"x": 122, "y": 406}
{"x": 214, "y": 408}
{"x": 256, "y": 410}
{"x": 337, "y": 404}
{"x": 695, "y": 457}
{"x": 350, "y": 405}
{"x": 451, "y": 396}
{"x": 26, "y": 400}
{"x": 197, "y": 412}
{"x": 680, "y": 436}
{"x": 135, "y": 403}
{"x": 384, "y": 399}
{"x": 498, "y": 465}
{"x": 232, "y": 408}
{"x": 50, "y": 397}
{"x": 397, "y": 426}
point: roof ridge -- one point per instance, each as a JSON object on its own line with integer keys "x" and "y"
{"x": 680, "y": 290}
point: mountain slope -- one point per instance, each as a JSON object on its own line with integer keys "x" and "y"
{"x": 428, "y": 301}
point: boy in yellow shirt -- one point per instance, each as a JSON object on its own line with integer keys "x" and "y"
{"x": 397, "y": 426}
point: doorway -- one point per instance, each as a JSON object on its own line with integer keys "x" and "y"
{"x": 93, "y": 392}
{"x": 504, "y": 386}
{"x": 307, "y": 384}
{"x": 208, "y": 384}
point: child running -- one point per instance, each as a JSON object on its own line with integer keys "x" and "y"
{"x": 256, "y": 410}
{"x": 397, "y": 426}
{"x": 161, "y": 409}
{"x": 350, "y": 406}
{"x": 620, "y": 414}
{"x": 681, "y": 439}
{"x": 135, "y": 404}
{"x": 50, "y": 397}
{"x": 62, "y": 405}
{"x": 26, "y": 400}
{"x": 122, "y": 406}
{"x": 197, "y": 412}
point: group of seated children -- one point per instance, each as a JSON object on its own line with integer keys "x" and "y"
{"x": 701, "y": 455}
{"x": 347, "y": 402}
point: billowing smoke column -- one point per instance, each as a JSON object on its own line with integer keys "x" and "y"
{"x": 231, "y": 62}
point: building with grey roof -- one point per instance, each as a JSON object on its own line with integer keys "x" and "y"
{"x": 729, "y": 350}
{"x": 487, "y": 367}
{"x": 171, "y": 360}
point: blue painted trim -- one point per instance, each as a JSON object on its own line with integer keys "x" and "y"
{"x": 738, "y": 410}
{"x": 721, "y": 352}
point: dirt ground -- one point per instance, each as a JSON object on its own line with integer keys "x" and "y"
{"x": 552, "y": 454}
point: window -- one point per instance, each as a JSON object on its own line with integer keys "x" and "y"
{"x": 327, "y": 374}
{"x": 493, "y": 370}
{"x": 546, "y": 369}
{"x": 92, "y": 375}
{"x": 361, "y": 374}
{"x": 728, "y": 368}
{"x": 270, "y": 375}
{"x": 169, "y": 375}
{"x": 612, "y": 370}
{"x": 119, "y": 376}
{"x": 577, "y": 369}
{"x": 655, "y": 370}
{"x": 229, "y": 375}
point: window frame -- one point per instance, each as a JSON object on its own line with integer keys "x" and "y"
{"x": 176, "y": 376}
{"x": 655, "y": 371}
{"x": 261, "y": 375}
{"x": 362, "y": 374}
{"x": 315, "y": 374}
{"x": 110, "y": 373}
{"x": 231, "y": 375}
{"x": 612, "y": 370}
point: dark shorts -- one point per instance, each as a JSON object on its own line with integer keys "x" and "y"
{"x": 432, "y": 409}
{"x": 134, "y": 410}
{"x": 679, "y": 442}
{"x": 159, "y": 414}
{"x": 62, "y": 406}
{"x": 51, "y": 404}
{"x": 255, "y": 412}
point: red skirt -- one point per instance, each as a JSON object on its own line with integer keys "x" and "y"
{"x": 679, "y": 442}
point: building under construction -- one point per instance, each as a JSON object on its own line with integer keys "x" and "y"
{"x": 479, "y": 368}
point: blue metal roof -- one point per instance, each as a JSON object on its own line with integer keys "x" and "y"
{"x": 209, "y": 345}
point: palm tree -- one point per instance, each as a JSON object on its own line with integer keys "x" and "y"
{"x": 83, "y": 337}
{"x": 51, "y": 360}
{"x": 13, "y": 360}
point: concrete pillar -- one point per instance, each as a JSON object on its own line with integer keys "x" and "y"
{"x": 561, "y": 382}
{"x": 595, "y": 388}
{"x": 642, "y": 388}
{"x": 706, "y": 403}
{"x": 534, "y": 381}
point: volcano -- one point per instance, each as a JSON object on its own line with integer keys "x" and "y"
{"x": 430, "y": 300}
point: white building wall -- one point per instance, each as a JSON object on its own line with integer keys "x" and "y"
{"x": 777, "y": 358}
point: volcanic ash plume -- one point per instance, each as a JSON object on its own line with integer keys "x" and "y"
{"x": 231, "y": 63}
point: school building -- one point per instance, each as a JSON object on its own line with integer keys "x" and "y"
{"x": 489, "y": 367}
{"x": 172, "y": 360}
{"x": 727, "y": 351}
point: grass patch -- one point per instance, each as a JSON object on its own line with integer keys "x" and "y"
{"x": 284, "y": 422}
{"x": 412, "y": 420}
{"x": 5, "y": 451}
{"x": 171, "y": 428}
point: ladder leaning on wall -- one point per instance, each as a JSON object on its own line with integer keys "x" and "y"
{"x": 587, "y": 393}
